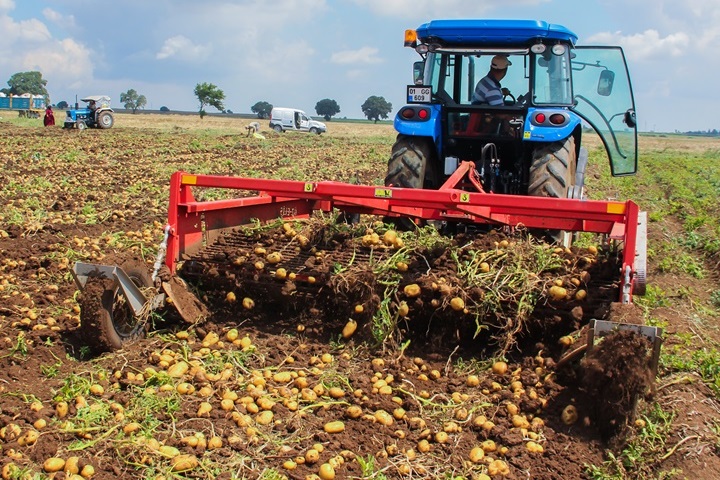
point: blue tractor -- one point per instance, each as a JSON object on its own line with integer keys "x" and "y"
{"x": 97, "y": 114}
{"x": 528, "y": 142}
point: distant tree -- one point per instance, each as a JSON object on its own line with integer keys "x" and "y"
{"x": 209, "y": 94}
{"x": 327, "y": 108}
{"x": 26, "y": 82}
{"x": 62, "y": 105}
{"x": 376, "y": 108}
{"x": 262, "y": 109}
{"x": 164, "y": 109}
{"x": 132, "y": 100}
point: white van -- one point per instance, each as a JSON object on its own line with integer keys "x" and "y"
{"x": 282, "y": 119}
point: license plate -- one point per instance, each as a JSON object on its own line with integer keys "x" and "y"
{"x": 419, "y": 94}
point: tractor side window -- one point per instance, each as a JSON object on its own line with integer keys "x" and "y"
{"x": 552, "y": 79}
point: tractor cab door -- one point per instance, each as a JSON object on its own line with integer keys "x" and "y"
{"x": 604, "y": 99}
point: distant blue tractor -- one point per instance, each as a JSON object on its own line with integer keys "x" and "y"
{"x": 529, "y": 144}
{"x": 97, "y": 114}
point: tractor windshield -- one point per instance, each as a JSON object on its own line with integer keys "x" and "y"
{"x": 454, "y": 75}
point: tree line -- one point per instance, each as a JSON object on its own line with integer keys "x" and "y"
{"x": 208, "y": 95}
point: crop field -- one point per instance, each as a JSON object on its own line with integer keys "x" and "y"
{"x": 335, "y": 350}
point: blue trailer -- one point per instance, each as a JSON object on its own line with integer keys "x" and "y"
{"x": 27, "y": 105}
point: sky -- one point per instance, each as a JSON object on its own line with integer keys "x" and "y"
{"x": 293, "y": 53}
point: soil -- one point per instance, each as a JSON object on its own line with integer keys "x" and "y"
{"x": 293, "y": 324}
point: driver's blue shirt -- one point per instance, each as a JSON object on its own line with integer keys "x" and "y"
{"x": 488, "y": 91}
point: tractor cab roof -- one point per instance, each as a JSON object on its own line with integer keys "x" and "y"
{"x": 493, "y": 32}
{"x": 96, "y": 99}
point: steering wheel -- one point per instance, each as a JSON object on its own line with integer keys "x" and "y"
{"x": 508, "y": 98}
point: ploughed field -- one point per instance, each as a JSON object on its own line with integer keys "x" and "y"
{"x": 330, "y": 350}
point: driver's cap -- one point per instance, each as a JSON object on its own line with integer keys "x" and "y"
{"x": 500, "y": 62}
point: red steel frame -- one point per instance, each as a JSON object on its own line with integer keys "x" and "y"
{"x": 193, "y": 224}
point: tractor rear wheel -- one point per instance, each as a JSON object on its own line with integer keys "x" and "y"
{"x": 107, "y": 320}
{"x": 409, "y": 163}
{"x": 552, "y": 174}
{"x": 410, "y": 166}
{"x": 105, "y": 120}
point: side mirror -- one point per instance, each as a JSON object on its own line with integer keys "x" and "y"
{"x": 630, "y": 119}
{"x": 418, "y": 72}
{"x": 605, "y": 83}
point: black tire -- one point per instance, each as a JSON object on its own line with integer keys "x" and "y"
{"x": 80, "y": 125}
{"x": 552, "y": 172}
{"x": 107, "y": 321}
{"x": 410, "y": 166}
{"x": 315, "y": 131}
{"x": 278, "y": 128}
{"x": 409, "y": 162}
{"x": 105, "y": 120}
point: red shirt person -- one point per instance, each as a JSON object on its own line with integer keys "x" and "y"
{"x": 49, "y": 119}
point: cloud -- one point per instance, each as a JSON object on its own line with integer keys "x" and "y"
{"x": 366, "y": 55}
{"x": 647, "y": 45}
{"x": 182, "y": 48}
{"x": 7, "y": 5}
{"x": 57, "y": 18}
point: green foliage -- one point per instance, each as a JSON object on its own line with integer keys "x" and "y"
{"x": 209, "y": 94}
{"x": 26, "y": 82}
{"x": 132, "y": 100}
{"x": 262, "y": 109}
{"x": 327, "y": 108}
{"x": 376, "y": 108}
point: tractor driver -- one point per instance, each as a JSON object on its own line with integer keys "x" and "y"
{"x": 488, "y": 90}
{"x": 93, "y": 107}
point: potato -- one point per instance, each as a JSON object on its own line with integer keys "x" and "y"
{"x": 334, "y": 427}
{"x": 349, "y": 328}
{"x": 477, "y": 454}
{"x": 457, "y": 304}
{"x": 354, "y": 411}
{"x": 274, "y": 258}
{"x": 248, "y": 303}
{"x": 500, "y": 368}
{"x": 231, "y": 297}
{"x": 204, "y": 409}
{"x": 71, "y": 465}
{"x": 403, "y": 309}
{"x": 569, "y": 415}
{"x": 312, "y": 456}
{"x": 557, "y": 292}
{"x": 183, "y": 463}
{"x": 326, "y": 472}
{"x": 54, "y": 464}
{"x": 413, "y": 290}
{"x": 178, "y": 370}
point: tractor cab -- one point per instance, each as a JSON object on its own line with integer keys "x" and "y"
{"x": 96, "y": 114}
{"x": 552, "y": 91}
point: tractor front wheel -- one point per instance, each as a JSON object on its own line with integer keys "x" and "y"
{"x": 107, "y": 320}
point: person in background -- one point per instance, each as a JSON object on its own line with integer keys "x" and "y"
{"x": 488, "y": 90}
{"x": 49, "y": 118}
